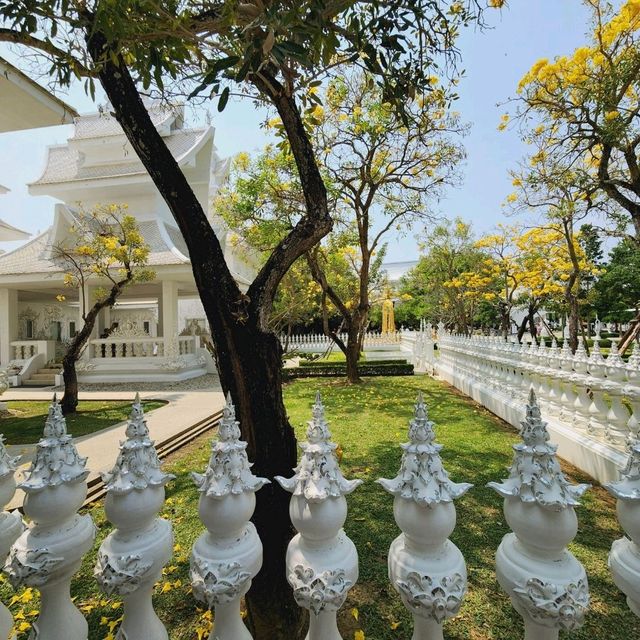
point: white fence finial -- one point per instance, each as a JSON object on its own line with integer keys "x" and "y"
{"x": 131, "y": 558}
{"x": 624, "y": 558}
{"x": 322, "y": 562}
{"x": 11, "y": 525}
{"x": 425, "y": 567}
{"x": 225, "y": 559}
{"x": 547, "y": 585}
{"x": 50, "y": 551}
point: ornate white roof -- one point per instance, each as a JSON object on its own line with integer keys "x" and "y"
{"x": 65, "y": 164}
{"x": 9, "y": 232}
{"x": 165, "y": 241}
{"x": 102, "y": 124}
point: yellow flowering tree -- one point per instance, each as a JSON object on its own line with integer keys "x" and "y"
{"x": 583, "y": 110}
{"x": 524, "y": 268}
{"x": 104, "y": 247}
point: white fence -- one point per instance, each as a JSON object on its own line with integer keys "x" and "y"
{"x": 319, "y": 343}
{"x": 547, "y": 585}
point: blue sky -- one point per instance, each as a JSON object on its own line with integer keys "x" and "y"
{"x": 494, "y": 60}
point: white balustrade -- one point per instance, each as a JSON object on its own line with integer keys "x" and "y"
{"x": 318, "y": 342}
{"x": 425, "y": 567}
{"x": 624, "y": 558}
{"x": 131, "y": 558}
{"x": 24, "y": 349}
{"x": 11, "y": 525}
{"x": 322, "y": 562}
{"x": 548, "y": 587}
{"x": 50, "y": 551}
{"x": 228, "y": 555}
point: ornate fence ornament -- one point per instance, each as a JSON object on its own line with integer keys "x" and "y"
{"x": 228, "y": 555}
{"x": 547, "y": 585}
{"x": 322, "y": 562}
{"x": 131, "y": 558}
{"x": 11, "y": 525}
{"x": 624, "y": 558}
{"x": 50, "y": 551}
{"x": 425, "y": 567}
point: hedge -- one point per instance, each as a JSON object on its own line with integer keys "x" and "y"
{"x": 340, "y": 370}
{"x": 326, "y": 363}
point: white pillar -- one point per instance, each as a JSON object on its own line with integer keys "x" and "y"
{"x": 85, "y": 303}
{"x": 8, "y": 323}
{"x": 168, "y": 312}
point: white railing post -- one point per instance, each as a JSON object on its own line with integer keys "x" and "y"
{"x": 50, "y": 551}
{"x": 11, "y": 525}
{"x": 548, "y": 587}
{"x": 624, "y": 558}
{"x": 322, "y": 562}
{"x": 131, "y": 558}
{"x": 228, "y": 555}
{"x": 425, "y": 567}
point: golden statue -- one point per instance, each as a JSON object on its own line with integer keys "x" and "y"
{"x": 388, "y": 321}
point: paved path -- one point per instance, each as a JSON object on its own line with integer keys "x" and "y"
{"x": 184, "y": 408}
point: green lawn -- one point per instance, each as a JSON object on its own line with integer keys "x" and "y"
{"x": 26, "y": 420}
{"x": 369, "y": 421}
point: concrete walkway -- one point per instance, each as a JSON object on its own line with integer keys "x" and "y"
{"x": 184, "y": 408}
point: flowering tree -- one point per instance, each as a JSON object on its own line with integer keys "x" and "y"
{"x": 528, "y": 267}
{"x": 434, "y": 290}
{"x": 381, "y": 172}
{"x": 104, "y": 247}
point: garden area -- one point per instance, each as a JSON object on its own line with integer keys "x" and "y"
{"x": 369, "y": 422}
{"x": 23, "y": 422}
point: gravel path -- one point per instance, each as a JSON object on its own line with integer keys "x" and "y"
{"x": 210, "y": 382}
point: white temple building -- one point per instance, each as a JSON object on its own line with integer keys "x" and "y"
{"x": 155, "y": 328}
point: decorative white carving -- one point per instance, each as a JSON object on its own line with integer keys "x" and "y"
{"x": 318, "y": 476}
{"x": 539, "y": 507}
{"x": 226, "y": 557}
{"x": 129, "y": 329}
{"x": 229, "y": 470}
{"x": 120, "y": 575}
{"x": 624, "y": 558}
{"x": 319, "y": 592}
{"x": 56, "y": 461}
{"x": 48, "y": 554}
{"x": 137, "y": 465}
{"x": 536, "y": 475}
{"x": 131, "y": 558}
{"x": 31, "y": 567}
{"x": 425, "y": 568}
{"x": 422, "y": 476}
{"x": 11, "y": 525}
{"x": 322, "y": 562}
{"x": 216, "y": 584}
{"x": 562, "y": 606}
{"x": 429, "y": 598}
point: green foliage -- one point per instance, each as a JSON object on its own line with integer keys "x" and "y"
{"x": 448, "y": 252}
{"x": 616, "y": 294}
{"x": 339, "y": 370}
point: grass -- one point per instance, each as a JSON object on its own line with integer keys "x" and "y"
{"x": 26, "y": 420}
{"x": 369, "y": 422}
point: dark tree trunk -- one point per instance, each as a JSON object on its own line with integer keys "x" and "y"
{"x": 247, "y": 355}
{"x": 353, "y": 354}
{"x": 631, "y": 334}
{"x": 69, "y": 402}
{"x": 573, "y": 321}
{"x": 523, "y": 328}
{"x": 532, "y": 322}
